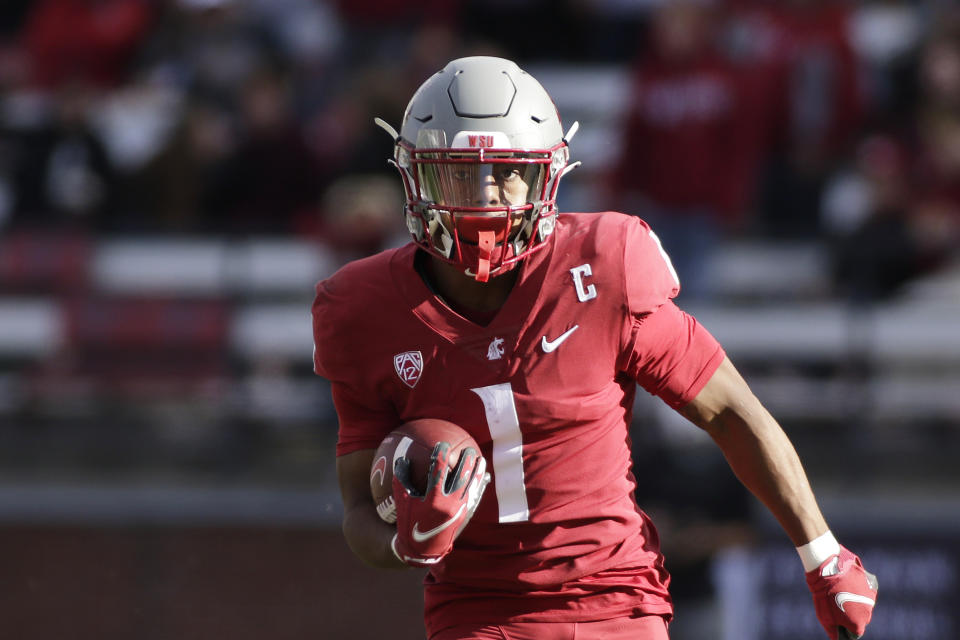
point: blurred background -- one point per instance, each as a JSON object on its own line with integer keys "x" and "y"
{"x": 175, "y": 175}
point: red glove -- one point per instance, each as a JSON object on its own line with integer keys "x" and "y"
{"x": 844, "y": 594}
{"x": 428, "y": 523}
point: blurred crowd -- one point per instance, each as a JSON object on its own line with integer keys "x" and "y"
{"x": 812, "y": 119}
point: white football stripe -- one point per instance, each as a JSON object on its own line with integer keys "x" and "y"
{"x": 401, "y": 450}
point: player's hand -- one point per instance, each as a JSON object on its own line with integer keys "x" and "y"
{"x": 428, "y": 523}
{"x": 844, "y": 594}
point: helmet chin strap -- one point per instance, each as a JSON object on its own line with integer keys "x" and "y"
{"x": 486, "y": 242}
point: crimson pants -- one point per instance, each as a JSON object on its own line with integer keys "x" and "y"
{"x": 642, "y": 628}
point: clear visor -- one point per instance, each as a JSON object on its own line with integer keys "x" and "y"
{"x": 481, "y": 185}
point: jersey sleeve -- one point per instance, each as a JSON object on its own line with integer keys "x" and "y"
{"x": 672, "y": 355}
{"x": 364, "y": 415}
{"x": 668, "y": 352}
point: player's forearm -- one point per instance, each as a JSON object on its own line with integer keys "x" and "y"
{"x": 766, "y": 462}
{"x": 758, "y": 451}
{"x": 369, "y": 538}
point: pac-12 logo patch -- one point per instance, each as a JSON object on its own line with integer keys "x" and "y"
{"x": 409, "y": 366}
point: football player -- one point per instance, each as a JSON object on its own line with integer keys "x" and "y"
{"x": 531, "y": 329}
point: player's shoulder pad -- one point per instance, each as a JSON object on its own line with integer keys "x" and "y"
{"x": 355, "y": 280}
{"x": 344, "y": 305}
{"x": 595, "y": 234}
{"x": 649, "y": 276}
{"x": 624, "y": 253}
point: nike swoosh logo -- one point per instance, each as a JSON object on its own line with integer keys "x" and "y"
{"x": 420, "y": 536}
{"x": 550, "y": 345}
{"x": 845, "y": 596}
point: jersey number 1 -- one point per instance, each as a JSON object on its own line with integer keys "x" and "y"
{"x": 501, "y": 412}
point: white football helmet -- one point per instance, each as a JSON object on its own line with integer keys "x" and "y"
{"x": 481, "y": 153}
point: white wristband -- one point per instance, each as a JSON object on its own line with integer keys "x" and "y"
{"x": 815, "y": 552}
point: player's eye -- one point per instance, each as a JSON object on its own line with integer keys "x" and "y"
{"x": 509, "y": 172}
{"x": 461, "y": 174}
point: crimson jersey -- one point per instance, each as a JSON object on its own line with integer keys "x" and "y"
{"x": 546, "y": 389}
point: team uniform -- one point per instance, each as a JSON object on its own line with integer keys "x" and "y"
{"x": 546, "y": 389}
{"x": 555, "y": 545}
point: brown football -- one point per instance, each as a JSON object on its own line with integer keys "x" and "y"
{"x": 414, "y": 440}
